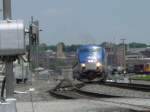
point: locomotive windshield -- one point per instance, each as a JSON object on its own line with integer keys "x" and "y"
{"x": 90, "y": 53}
{"x": 88, "y": 50}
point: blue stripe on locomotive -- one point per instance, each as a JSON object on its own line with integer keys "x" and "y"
{"x": 83, "y": 57}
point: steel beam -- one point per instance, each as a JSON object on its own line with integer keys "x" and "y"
{"x": 8, "y": 60}
{"x": 9, "y": 79}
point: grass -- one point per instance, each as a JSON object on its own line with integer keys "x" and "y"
{"x": 141, "y": 77}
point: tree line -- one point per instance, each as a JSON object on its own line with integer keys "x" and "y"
{"x": 73, "y": 47}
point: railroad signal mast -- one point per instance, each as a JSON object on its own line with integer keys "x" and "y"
{"x": 12, "y": 44}
{"x": 11, "y": 47}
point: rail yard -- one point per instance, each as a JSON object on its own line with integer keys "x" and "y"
{"x": 69, "y": 72}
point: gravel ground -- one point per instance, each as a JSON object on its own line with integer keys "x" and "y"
{"x": 40, "y": 86}
{"x": 76, "y": 106}
{"x": 35, "y": 91}
{"x": 115, "y": 91}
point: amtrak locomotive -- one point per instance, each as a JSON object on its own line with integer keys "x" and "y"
{"x": 91, "y": 63}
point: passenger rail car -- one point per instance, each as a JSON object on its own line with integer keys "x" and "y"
{"x": 142, "y": 68}
{"x": 91, "y": 63}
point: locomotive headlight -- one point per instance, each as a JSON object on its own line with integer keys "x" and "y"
{"x": 98, "y": 64}
{"x": 82, "y": 65}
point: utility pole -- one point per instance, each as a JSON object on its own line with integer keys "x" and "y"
{"x": 124, "y": 52}
{"x": 33, "y": 43}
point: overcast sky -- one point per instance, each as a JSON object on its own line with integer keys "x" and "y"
{"x": 87, "y": 21}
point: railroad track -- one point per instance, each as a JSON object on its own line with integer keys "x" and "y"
{"x": 79, "y": 94}
{"x": 98, "y": 97}
{"x": 139, "y": 87}
{"x": 74, "y": 92}
{"x": 132, "y": 86}
{"x": 71, "y": 91}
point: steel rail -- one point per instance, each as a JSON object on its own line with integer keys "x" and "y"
{"x": 139, "y": 87}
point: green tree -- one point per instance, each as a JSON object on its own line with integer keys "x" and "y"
{"x": 42, "y": 47}
{"x": 137, "y": 45}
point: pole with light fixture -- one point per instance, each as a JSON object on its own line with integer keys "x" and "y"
{"x": 124, "y": 53}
